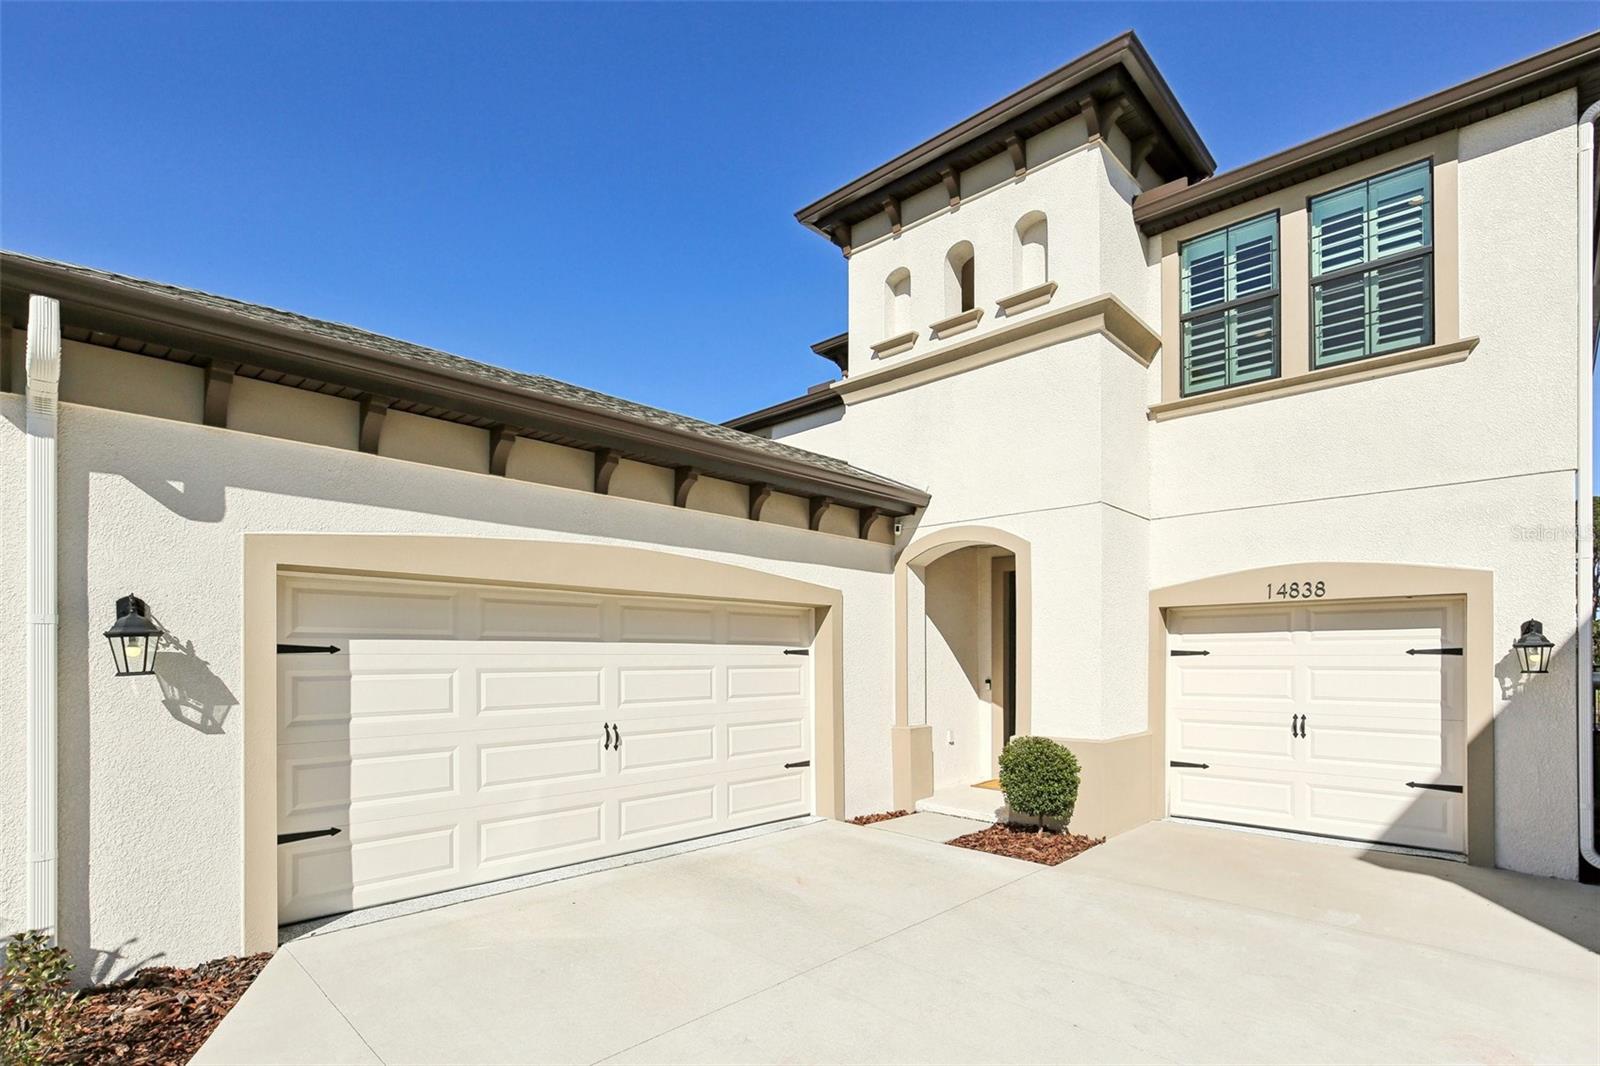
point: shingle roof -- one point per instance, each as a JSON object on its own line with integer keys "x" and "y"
{"x": 536, "y": 385}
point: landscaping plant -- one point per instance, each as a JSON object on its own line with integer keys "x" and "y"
{"x": 36, "y": 999}
{"x": 1039, "y": 777}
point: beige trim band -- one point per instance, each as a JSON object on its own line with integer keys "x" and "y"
{"x": 1104, "y": 315}
{"x": 591, "y": 567}
{"x": 1359, "y": 370}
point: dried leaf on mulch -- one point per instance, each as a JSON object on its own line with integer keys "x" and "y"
{"x": 868, "y": 819}
{"x": 1026, "y": 842}
{"x": 159, "y": 1016}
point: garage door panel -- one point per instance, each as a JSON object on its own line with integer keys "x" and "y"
{"x": 1235, "y": 739}
{"x": 1389, "y": 813}
{"x": 1234, "y": 797}
{"x": 1371, "y": 717}
{"x": 1235, "y": 679}
{"x": 362, "y": 609}
{"x": 1387, "y": 748}
{"x": 546, "y": 617}
{"x": 485, "y": 752}
{"x": 536, "y": 838}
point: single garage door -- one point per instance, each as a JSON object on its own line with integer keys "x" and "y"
{"x": 460, "y": 734}
{"x": 1341, "y": 719}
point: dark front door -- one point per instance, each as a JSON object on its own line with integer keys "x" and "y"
{"x": 1010, "y": 666}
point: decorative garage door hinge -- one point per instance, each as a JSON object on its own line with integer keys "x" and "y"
{"x": 1433, "y": 788}
{"x": 1187, "y": 651}
{"x": 307, "y": 649}
{"x": 290, "y": 838}
{"x": 796, "y": 765}
{"x": 1191, "y": 765}
{"x": 1433, "y": 651}
{"x": 797, "y": 651}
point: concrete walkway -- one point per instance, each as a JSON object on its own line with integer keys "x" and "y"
{"x": 832, "y": 943}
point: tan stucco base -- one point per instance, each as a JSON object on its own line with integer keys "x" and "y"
{"x": 1356, "y": 581}
{"x": 595, "y": 567}
{"x": 1115, "y": 790}
{"x": 912, "y": 747}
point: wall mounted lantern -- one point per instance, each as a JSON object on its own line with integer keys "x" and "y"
{"x": 133, "y": 638}
{"x": 1533, "y": 648}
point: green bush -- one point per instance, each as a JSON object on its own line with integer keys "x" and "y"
{"x": 36, "y": 999}
{"x": 1039, "y": 777}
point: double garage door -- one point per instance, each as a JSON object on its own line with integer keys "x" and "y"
{"x": 1344, "y": 720}
{"x": 461, "y": 734}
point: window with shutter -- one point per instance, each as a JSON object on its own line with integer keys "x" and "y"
{"x": 1372, "y": 267}
{"x": 1229, "y": 312}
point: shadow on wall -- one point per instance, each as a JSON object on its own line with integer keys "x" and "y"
{"x": 190, "y": 691}
{"x": 1537, "y": 704}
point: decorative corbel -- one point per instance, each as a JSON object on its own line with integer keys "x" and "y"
{"x": 759, "y": 495}
{"x": 839, "y": 234}
{"x": 1091, "y": 116}
{"x": 952, "y": 185}
{"x": 819, "y": 507}
{"x": 605, "y": 464}
{"x": 891, "y": 207}
{"x": 373, "y": 408}
{"x": 683, "y": 479}
{"x": 219, "y": 387}
{"x": 501, "y": 441}
{"x": 1019, "y": 157}
{"x": 869, "y": 515}
{"x": 1140, "y": 152}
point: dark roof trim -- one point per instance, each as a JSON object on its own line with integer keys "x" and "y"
{"x": 1575, "y": 64}
{"x": 836, "y": 350}
{"x": 345, "y": 356}
{"x": 985, "y": 133}
{"x": 820, "y": 400}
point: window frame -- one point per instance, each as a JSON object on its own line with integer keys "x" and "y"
{"x": 1274, "y": 295}
{"x": 1313, "y": 280}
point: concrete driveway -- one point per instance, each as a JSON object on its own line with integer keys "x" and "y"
{"x": 832, "y": 943}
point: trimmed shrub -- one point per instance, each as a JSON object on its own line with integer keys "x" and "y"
{"x": 36, "y": 1000}
{"x": 1039, "y": 777}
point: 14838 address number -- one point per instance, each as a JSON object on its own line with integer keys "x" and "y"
{"x": 1297, "y": 590}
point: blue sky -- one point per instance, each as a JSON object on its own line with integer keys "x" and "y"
{"x": 605, "y": 193}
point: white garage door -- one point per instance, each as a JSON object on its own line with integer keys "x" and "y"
{"x": 462, "y": 734}
{"x": 1324, "y": 718}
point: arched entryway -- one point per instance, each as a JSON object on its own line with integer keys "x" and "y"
{"x": 963, "y": 657}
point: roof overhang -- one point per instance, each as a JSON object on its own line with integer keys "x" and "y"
{"x": 1572, "y": 65}
{"x": 1120, "y": 68}
{"x": 120, "y": 310}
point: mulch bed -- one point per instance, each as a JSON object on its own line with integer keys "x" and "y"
{"x": 1026, "y": 842}
{"x": 160, "y": 1015}
{"x": 868, "y": 819}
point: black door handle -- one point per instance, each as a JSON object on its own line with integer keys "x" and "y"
{"x": 616, "y": 742}
{"x": 1294, "y": 725}
{"x": 608, "y": 735}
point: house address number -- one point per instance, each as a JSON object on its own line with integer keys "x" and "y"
{"x": 1297, "y": 590}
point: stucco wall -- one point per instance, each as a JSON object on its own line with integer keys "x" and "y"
{"x": 1470, "y": 464}
{"x": 150, "y": 767}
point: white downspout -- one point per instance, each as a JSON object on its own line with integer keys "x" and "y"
{"x": 1585, "y": 560}
{"x": 43, "y": 382}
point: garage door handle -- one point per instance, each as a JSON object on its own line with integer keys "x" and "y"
{"x": 1433, "y": 788}
{"x": 616, "y": 741}
{"x": 608, "y": 735}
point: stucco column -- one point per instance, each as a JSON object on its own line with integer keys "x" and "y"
{"x": 43, "y": 381}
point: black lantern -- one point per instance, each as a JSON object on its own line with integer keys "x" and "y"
{"x": 133, "y": 638}
{"x": 1533, "y": 648}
